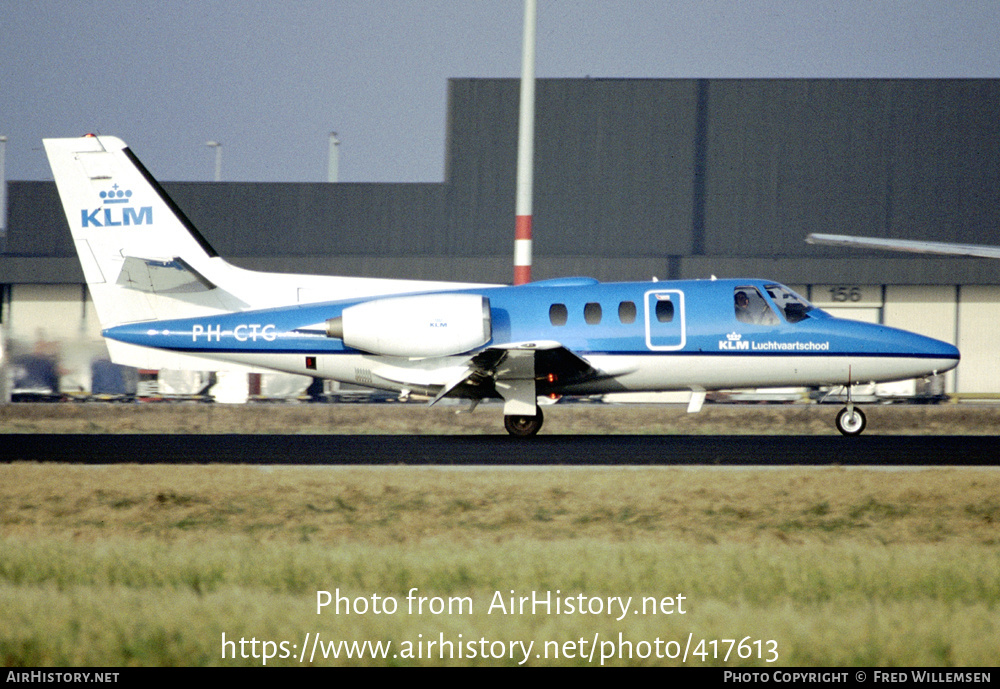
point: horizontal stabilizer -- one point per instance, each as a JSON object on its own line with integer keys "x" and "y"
{"x": 162, "y": 276}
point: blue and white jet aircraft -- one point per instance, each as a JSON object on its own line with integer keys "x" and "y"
{"x": 166, "y": 300}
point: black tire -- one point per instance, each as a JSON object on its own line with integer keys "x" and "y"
{"x": 851, "y": 424}
{"x": 523, "y": 426}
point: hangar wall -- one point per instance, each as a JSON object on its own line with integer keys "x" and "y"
{"x": 729, "y": 176}
{"x": 874, "y": 157}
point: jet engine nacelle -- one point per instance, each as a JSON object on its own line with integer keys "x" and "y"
{"x": 419, "y": 326}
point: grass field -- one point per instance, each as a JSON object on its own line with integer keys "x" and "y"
{"x": 152, "y": 565}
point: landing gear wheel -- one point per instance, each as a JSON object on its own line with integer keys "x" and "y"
{"x": 523, "y": 426}
{"x": 851, "y": 422}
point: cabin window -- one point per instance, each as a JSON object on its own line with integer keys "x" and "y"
{"x": 626, "y": 312}
{"x": 664, "y": 309}
{"x": 592, "y": 313}
{"x": 558, "y": 314}
{"x": 751, "y": 307}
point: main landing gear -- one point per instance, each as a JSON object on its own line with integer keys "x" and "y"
{"x": 523, "y": 426}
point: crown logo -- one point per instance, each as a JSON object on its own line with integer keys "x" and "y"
{"x": 734, "y": 336}
{"x": 116, "y": 195}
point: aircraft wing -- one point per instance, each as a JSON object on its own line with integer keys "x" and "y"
{"x": 909, "y": 245}
{"x": 554, "y": 361}
{"x": 545, "y": 360}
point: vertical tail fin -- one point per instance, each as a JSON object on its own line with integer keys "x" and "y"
{"x": 142, "y": 258}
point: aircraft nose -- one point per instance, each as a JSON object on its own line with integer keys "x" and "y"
{"x": 939, "y": 348}
{"x": 936, "y": 350}
{"x": 952, "y": 351}
{"x": 920, "y": 354}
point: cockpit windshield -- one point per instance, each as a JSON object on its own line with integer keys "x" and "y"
{"x": 794, "y": 307}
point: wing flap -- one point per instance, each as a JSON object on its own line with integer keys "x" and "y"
{"x": 498, "y": 366}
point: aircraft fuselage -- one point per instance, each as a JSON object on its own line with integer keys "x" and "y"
{"x": 637, "y": 336}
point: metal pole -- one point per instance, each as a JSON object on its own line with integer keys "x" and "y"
{"x": 218, "y": 158}
{"x": 333, "y": 164}
{"x": 3, "y": 185}
{"x": 525, "y": 151}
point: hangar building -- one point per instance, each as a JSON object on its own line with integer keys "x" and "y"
{"x": 634, "y": 178}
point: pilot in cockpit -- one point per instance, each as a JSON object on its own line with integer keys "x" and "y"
{"x": 743, "y": 307}
{"x": 754, "y": 311}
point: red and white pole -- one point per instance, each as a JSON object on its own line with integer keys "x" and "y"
{"x": 525, "y": 151}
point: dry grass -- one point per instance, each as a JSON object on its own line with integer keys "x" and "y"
{"x": 948, "y": 419}
{"x": 150, "y": 565}
{"x": 399, "y": 504}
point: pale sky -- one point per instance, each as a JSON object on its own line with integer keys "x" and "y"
{"x": 271, "y": 80}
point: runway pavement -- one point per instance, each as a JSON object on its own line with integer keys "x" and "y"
{"x": 551, "y": 450}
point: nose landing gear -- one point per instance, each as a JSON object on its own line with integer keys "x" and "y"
{"x": 851, "y": 421}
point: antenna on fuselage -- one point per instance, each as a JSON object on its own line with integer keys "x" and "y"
{"x": 525, "y": 151}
